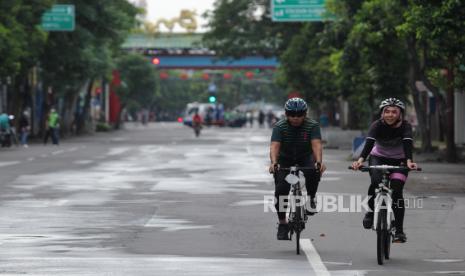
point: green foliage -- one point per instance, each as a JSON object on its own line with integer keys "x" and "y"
{"x": 20, "y": 39}
{"x": 138, "y": 81}
{"x": 102, "y": 127}
{"x": 306, "y": 65}
{"x": 382, "y": 53}
{"x": 70, "y": 58}
{"x": 438, "y": 26}
{"x": 362, "y": 56}
{"x": 244, "y": 27}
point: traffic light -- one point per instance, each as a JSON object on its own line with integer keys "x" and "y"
{"x": 212, "y": 99}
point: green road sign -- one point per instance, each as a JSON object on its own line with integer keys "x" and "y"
{"x": 59, "y": 18}
{"x": 299, "y": 10}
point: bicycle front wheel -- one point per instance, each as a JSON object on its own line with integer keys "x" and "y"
{"x": 387, "y": 245}
{"x": 298, "y": 219}
{"x": 381, "y": 233}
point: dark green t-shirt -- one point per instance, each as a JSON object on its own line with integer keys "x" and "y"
{"x": 296, "y": 147}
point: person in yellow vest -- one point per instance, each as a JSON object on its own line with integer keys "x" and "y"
{"x": 52, "y": 126}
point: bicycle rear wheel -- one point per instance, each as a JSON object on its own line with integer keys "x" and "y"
{"x": 381, "y": 233}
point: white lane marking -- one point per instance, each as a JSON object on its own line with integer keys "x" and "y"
{"x": 72, "y": 149}
{"x": 314, "y": 258}
{"x": 171, "y": 225}
{"x": 163, "y": 265}
{"x": 338, "y": 172}
{"x": 83, "y": 162}
{"x": 444, "y": 260}
{"x": 4, "y": 164}
{"x": 338, "y": 263}
{"x": 31, "y": 159}
{"x": 58, "y": 152}
{"x": 117, "y": 151}
{"x": 247, "y": 203}
{"x": 324, "y": 178}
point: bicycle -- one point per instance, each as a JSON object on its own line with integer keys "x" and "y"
{"x": 297, "y": 216}
{"x": 383, "y": 214}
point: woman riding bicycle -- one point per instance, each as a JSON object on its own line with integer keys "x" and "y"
{"x": 296, "y": 140}
{"x": 389, "y": 142}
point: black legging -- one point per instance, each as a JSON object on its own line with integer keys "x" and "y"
{"x": 397, "y": 186}
{"x": 282, "y": 188}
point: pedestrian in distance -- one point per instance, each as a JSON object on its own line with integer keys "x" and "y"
{"x": 261, "y": 118}
{"x": 25, "y": 127}
{"x": 52, "y": 127}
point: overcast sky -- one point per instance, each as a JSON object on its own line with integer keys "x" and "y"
{"x": 168, "y": 9}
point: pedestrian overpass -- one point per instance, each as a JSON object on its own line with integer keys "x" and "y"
{"x": 185, "y": 51}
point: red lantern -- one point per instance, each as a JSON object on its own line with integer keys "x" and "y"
{"x": 227, "y": 76}
{"x": 164, "y": 75}
{"x": 205, "y": 76}
{"x": 155, "y": 61}
{"x": 249, "y": 75}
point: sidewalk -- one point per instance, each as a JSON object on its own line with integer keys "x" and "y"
{"x": 436, "y": 177}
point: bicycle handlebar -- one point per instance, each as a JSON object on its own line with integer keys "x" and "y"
{"x": 385, "y": 167}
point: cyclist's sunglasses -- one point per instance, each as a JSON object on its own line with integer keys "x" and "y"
{"x": 295, "y": 114}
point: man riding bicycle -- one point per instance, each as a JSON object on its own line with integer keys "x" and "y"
{"x": 296, "y": 140}
{"x": 389, "y": 142}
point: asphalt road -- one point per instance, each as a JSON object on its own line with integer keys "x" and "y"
{"x": 156, "y": 200}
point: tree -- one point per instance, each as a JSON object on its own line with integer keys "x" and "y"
{"x": 434, "y": 30}
{"x": 372, "y": 63}
{"x": 21, "y": 43}
{"x": 72, "y": 60}
{"x": 139, "y": 82}
{"x": 305, "y": 66}
{"x": 244, "y": 27}
{"x": 20, "y": 38}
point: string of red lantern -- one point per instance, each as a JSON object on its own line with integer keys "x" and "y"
{"x": 164, "y": 75}
{"x": 249, "y": 75}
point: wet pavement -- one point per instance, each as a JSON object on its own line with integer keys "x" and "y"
{"x": 157, "y": 201}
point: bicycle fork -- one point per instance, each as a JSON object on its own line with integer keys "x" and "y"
{"x": 383, "y": 200}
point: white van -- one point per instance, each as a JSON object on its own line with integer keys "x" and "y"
{"x": 191, "y": 108}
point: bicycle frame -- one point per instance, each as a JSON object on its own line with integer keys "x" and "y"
{"x": 383, "y": 199}
{"x": 296, "y": 179}
{"x": 297, "y": 216}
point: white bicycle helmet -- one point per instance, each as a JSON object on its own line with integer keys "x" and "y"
{"x": 392, "y": 102}
{"x": 295, "y": 105}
